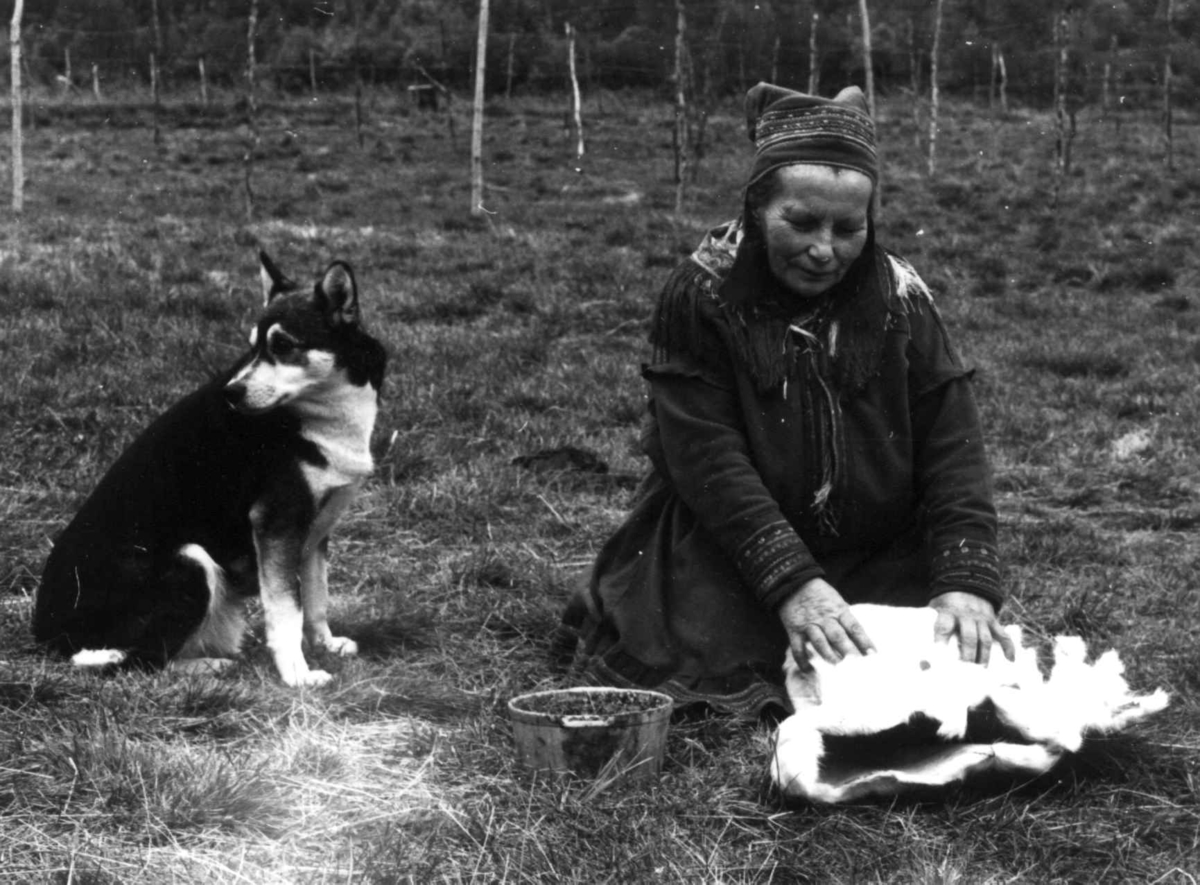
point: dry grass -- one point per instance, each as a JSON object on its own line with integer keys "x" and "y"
{"x": 131, "y": 278}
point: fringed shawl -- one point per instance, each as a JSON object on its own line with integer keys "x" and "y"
{"x": 827, "y": 348}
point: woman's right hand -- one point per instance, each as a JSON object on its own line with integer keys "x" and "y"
{"x": 818, "y": 616}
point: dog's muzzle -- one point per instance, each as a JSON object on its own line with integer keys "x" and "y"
{"x": 235, "y": 394}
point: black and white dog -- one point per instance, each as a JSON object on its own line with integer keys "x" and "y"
{"x": 231, "y": 492}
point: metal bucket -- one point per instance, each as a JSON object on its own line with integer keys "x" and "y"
{"x": 587, "y": 730}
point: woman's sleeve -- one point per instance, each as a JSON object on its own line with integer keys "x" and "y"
{"x": 703, "y": 449}
{"x": 953, "y": 479}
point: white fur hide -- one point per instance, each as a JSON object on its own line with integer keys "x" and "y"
{"x": 910, "y": 674}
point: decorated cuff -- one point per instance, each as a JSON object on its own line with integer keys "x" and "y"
{"x": 774, "y": 561}
{"x": 971, "y": 566}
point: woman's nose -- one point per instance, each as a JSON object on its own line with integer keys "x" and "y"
{"x": 821, "y": 247}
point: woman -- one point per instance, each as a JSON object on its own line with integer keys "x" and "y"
{"x": 813, "y": 438}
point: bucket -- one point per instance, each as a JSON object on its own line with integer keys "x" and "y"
{"x": 586, "y": 730}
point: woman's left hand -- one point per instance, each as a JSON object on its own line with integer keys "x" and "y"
{"x": 974, "y": 619}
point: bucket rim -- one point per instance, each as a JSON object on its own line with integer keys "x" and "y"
{"x": 657, "y": 703}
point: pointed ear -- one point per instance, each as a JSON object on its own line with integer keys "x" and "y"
{"x": 340, "y": 293}
{"x": 272, "y": 278}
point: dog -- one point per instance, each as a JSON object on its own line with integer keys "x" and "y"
{"x": 231, "y": 492}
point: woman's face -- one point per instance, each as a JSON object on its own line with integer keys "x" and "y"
{"x": 815, "y": 225}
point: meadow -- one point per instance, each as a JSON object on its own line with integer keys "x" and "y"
{"x": 131, "y": 277}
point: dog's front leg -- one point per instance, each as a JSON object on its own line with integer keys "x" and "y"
{"x": 314, "y": 593}
{"x": 279, "y": 563}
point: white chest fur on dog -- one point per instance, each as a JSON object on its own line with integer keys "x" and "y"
{"x": 910, "y": 675}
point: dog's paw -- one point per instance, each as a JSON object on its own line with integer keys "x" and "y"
{"x": 294, "y": 672}
{"x": 309, "y": 679}
{"x": 200, "y": 666}
{"x": 98, "y": 658}
{"x": 341, "y": 646}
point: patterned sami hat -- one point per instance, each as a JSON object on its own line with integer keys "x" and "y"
{"x": 790, "y": 127}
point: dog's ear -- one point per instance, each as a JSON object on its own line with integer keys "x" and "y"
{"x": 273, "y": 279}
{"x": 338, "y": 294}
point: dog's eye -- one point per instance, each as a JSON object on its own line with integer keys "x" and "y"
{"x": 281, "y": 346}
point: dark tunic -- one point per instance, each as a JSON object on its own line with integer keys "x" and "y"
{"x": 757, "y": 487}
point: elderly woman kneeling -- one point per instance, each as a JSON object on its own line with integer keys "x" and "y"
{"x": 813, "y": 437}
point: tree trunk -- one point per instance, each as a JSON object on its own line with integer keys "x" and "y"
{"x": 251, "y": 109}
{"x": 681, "y": 134}
{"x": 814, "y": 62}
{"x": 512, "y": 45}
{"x": 203, "y": 82}
{"x": 96, "y": 80}
{"x": 156, "y": 24}
{"x": 477, "y": 113}
{"x": 914, "y": 78}
{"x": 1003, "y": 79}
{"x": 18, "y": 155}
{"x": 154, "y": 97}
{"x": 576, "y": 102}
{"x": 1168, "y": 112}
{"x": 868, "y": 64}
{"x": 933, "y": 86}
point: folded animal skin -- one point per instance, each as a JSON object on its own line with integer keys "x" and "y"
{"x": 912, "y": 714}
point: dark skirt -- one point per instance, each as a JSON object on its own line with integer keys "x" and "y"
{"x": 664, "y": 607}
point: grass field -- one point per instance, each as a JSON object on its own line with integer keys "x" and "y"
{"x": 132, "y": 277}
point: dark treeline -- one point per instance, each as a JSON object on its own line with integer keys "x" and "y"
{"x": 1116, "y": 51}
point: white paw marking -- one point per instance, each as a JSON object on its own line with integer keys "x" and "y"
{"x": 98, "y": 657}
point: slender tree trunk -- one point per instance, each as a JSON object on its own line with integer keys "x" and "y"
{"x": 868, "y": 63}
{"x": 814, "y": 61}
{"x": 1168, "y": 112}
{"x": 312, "y": 72}
{"x": 251, "y": 109}
{"x": 576, "y": 102}
{"x": 681, "y": 133}
{"x": 1061, "y": 147}
{"x": 203, "y": 82}
{"x": 508, "y": 79}
{"x": 18, "y": 145}
{"x": 154, "y": 97}
{"x": 156, "y": 24}
{"x": 96, "y": 80}
{"x": 992, "y": 79}
{"x": 68, "y": 82}
{"x": 477, "y": 115}
{"x": 775, "y": 60}
{"x": 1003, "y": 70}
{"x": 934, "y": 57}
{"x": 914, "y": 78}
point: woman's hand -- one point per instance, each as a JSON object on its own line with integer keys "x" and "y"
{"x": 817, "y": 615}
{"x": 973, "y": 618}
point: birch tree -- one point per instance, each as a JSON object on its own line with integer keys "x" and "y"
{"x": 477, "y": 115}
{"x": 18, "y": 156}
{"x": 252, "y": 140}
{"x": 934, "y": 58}
{"x": 868, "y": 64}
{"x": 576, "y": 110}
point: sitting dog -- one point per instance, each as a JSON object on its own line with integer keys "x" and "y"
{"x": 231, "y": 492}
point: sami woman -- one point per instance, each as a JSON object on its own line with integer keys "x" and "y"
{"x": 812, "y": 435}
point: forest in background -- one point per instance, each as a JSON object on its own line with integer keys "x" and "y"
{"x": 1117, "y": 53}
